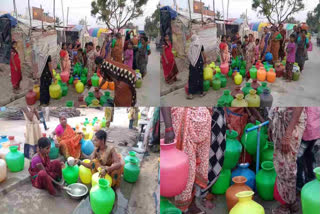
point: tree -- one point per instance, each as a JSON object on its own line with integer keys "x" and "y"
{"x": 82, "y": 22}
{"x": 117, "y": 13}
{"x": 292, "y": 20}
{"x": 313, "y": 19}
{"x": 58, "y": 22}
{"x": 277, "y": 11}
{"x": 219, "y": 15}
{"x": 152, "y": 24}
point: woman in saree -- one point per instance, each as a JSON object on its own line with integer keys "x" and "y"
{"x": 105, "y": 159}
{"x": 15, "y": 67}
{"x": 117, "y": 50}
{"x": 283, "y": 33}
{"x": 124, "y": 79}
{"x": 45, "y": 81}
{"x": 302, "y": 46}
{"x": 275, "y": 43}
{"x": 91, "y": 56}
{"x": 108, "y": 114}
{"x": 224, "y": 50}
{"x": 106, "y": 47}
{"x": 286, "y": 129}
{"x": 191, "y": 129}
{"x": 68, "y": 139}
{"x": 142, "y": 56}
{"x": 64, "y": 58}
{"x": 197, "y": 60}
{"x": 250, "y": 53}
{"x": 265, "y": 43}
{"x": 170, "y": 69}
{"x": 44, "y": 173}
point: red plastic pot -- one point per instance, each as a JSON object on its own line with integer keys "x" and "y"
{"x": 31, "y": 97}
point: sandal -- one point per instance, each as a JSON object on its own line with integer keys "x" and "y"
{"x": 203, "y": 94}
{"x": 189, "y": 97}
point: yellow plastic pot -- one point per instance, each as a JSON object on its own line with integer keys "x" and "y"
{"x": 246, "y": 205}
{"x": 79, "y": 87}
{"x": 85, "y": 173}
{"x": 95, "y": 178}
{"x": 55, "y": 90}
{"x": 36, "y": 89}
{"x": 238, "y": 79}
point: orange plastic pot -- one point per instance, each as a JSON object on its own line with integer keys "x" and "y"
{"x": 271, "y": 75}
{"x": 111, "y": 86}
{"x": 238, "y": 186}
{"x": 261, "y": 74}
{"x": 105, "y": 85}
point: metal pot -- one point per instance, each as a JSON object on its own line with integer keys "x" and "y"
{"x": 77, "y": 190}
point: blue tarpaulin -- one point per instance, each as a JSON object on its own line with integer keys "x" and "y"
{"x": 13, "y": 21}
{"x": 172, "y": 12}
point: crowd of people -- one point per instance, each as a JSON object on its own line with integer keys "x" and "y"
{"x": 200, "y": 133}
{"x": 274, "y": 40}
{"x": 133, "y": 53}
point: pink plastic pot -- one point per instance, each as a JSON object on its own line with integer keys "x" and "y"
{"x": 64, "y": 76}
{"x": 174, "y": 170}
{"x": 224, "y": 67}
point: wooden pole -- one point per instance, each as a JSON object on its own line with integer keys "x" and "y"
{"x": 214, "y": 11}
{"x": 67, "y": 16}
{"x": 41, "y": 17}
{"x": 224, "y": 25}
{"x": 190, "y": 21}
{"x": 228, "y": 10}
{"x": 15, "y": 8}
{"x": 201, "y": 12}
{"x": 29, "y": 18}
{"x": 64, "y": 32}
{"x": 54, "y": 13}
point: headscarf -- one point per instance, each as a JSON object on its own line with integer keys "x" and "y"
{"x": 194, "y": 50}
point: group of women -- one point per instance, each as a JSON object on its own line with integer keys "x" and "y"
{"x": 45, "y": 173}
{"x": 201, "y": 133}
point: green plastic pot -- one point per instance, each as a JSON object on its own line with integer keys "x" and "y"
{"x": 267, "y": 152}
{"x": 69, "y": 103}
{"x": 223, "y": 182}
{"x": 167, "y": 208}
{"x": 70, "y": 174}
{"x": 131, "y": 171}
{"x": 233, "y": 150}
{"x": 262, "y": 87}
{"x": 216, "y": 84}
{"x": 249, "y": 140}
{"x": 227, "y": 98}
{"x": 64, "y": 89}
{"x": 54, "y": 151}
{"x": 243, "y": 72}
{"x": 296, "y": 76}
{"x": 223, "y": 80}
{"x": 70, "y": 80}
{"x": 206, "y": 85}
{"x": 247, "y": 88}
{"x": 15, "y": 159}
{"x": 132, "y": 154}
{"x": 138, "y": 83}
{"x": 102, "y": 197}
{"x": 89, "y": 98}
{"x": 265, "y": 180}
{"x": 310, "y": 195}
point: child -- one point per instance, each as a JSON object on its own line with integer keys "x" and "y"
{"x": 80, "y": 56}
{"x": 224, "y": 52}
{"x": 239, "y": 49}
{"x": 128, "y": 55}
{"x": 257, "y": 54}
{"x": 98, "y": 49}
{"x": 43, "y": 171}
{"x": 291, "y": 57}
{"x": 106, "y": 158}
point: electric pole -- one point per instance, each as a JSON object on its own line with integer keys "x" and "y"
{"x": 54, "y": 14}
{"x": 214, "y": 12}
{"x": 228, "y": 10}
{"x": 67, "y": 16}
{"x": 41, "y": 17}
{"x": 201, "y": 12}
{"x": 64, "y": 31}
{"x": 29, "y": 18}
{"x": 15, "y": 8}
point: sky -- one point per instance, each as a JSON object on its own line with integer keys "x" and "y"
{"x": 237, "y": 7}
{"x": 78, "y": 9}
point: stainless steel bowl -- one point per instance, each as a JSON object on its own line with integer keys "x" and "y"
{"x": 78, "y": 190}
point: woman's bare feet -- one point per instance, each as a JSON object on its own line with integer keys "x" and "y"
{"x": 207, "y": 204}
{"x": 189, "y": 97}
{"x": 193, "y": 209}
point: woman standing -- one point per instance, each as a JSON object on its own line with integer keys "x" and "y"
{"x": 15, "y": 67}
{"x": 190, "y": 127}
{"x": 224, "y": 50}
{"x": 117, "y": 50}
{"x": 250, "y": 53}
{"x": 265, "y": 43}
{"x": 286, "y": 130}
{"x": 64, "y": 57}
{"x": 169, "y": 66}
{"x": 283, "y": 33}
{"x": 275, "y": 44}
{"x": 142, "y": 56}
{"x": 197, "y": 59}
{"x": 302, "y": 46}
{"x": 33, "y": 131}
{"x": 45, "y": 81}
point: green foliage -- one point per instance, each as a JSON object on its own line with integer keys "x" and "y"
{"x": 219, "y": 15}
{"x": 277, "y": 11}
{"x": 313, "y": 19}
{"x": 152, "y": 24}
{"x": 117, "y": 13}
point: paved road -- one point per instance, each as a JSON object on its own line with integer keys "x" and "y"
{"x": 301, "y": 93}
{"x": 149, "y": 93}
